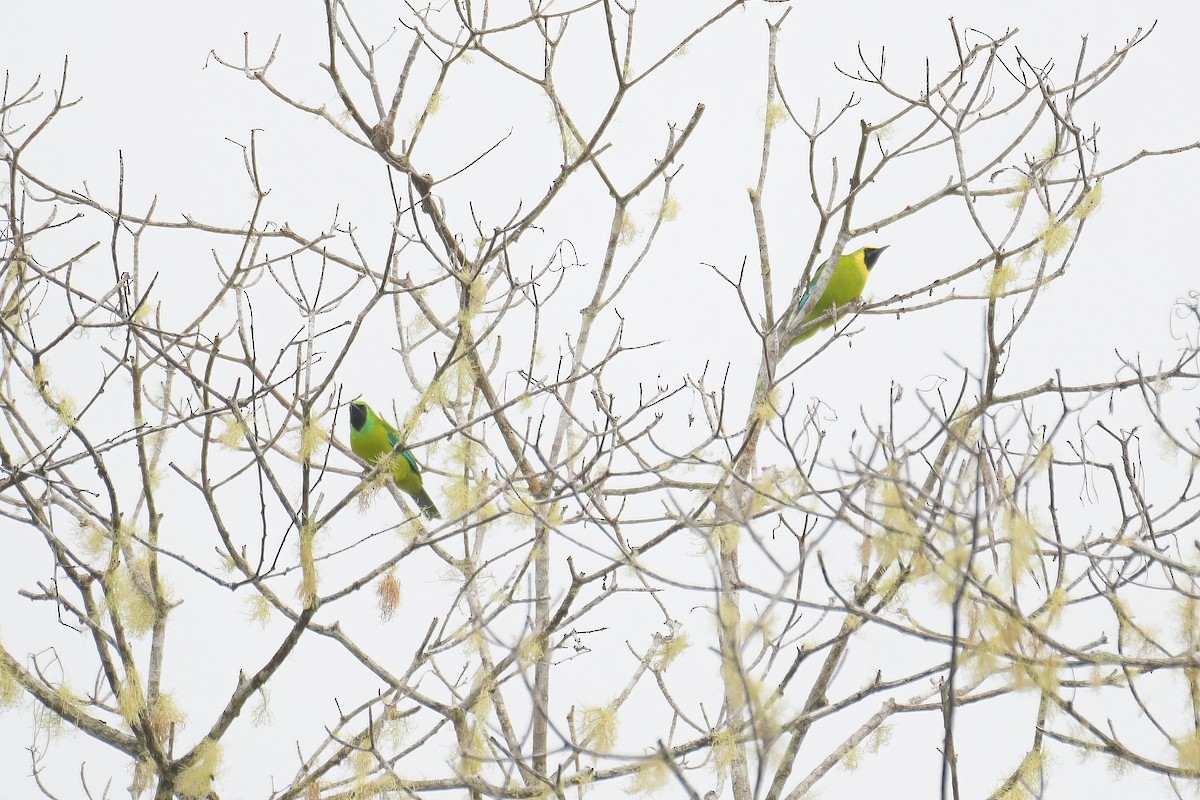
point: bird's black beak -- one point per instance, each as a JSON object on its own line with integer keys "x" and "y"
{"x": 872, "y": 254}
{"x": 358, "y": 415}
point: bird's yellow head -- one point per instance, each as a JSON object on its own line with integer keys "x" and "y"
{"x": 872, "y": 254}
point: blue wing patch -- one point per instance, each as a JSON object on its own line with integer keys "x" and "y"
{"x": 393, "y": 439}
{"x": 812, "y": 285}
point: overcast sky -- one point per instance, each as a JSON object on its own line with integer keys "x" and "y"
{"x": 150, "y": 90}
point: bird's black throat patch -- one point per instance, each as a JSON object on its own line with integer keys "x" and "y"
{"x": 872, "y": 254}
{"x": 358, "y": 416}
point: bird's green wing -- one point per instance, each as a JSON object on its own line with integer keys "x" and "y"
{"x": 393, "y": 438}
{"x": 392, "y": 435}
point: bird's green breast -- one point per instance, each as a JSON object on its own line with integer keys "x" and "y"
{"x": 371, "y": 442}
{"x": 846, "y": 284}
{"x": 375, "y": 441}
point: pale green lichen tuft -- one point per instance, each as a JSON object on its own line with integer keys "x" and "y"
{"x": 598, "y": 727}
{"x": 1002, "y": 277}
{"x": 195, "y": 779}
{"x": 628, "y": 230}
{"x": 307, "y": 590}
{"x": 131, "y": 701}
{"x": 1054, "y": 235}
{"x": 774, "y": 114}
{"x": 1090, "y": 200}
{"x": 651, "y": 776}
{"x": 670, "y": 649}
{"x": 670, "y": 209}
{"x": 232, "y": 434}
{"x": 10, "y": 687}
{"x": 312, "y": 437}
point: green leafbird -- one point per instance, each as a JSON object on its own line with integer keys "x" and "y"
{"x": 845, "y": 286}
{"x": 372, "y": 439}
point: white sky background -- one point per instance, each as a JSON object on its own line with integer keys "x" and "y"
{"x": 150, "y": 90}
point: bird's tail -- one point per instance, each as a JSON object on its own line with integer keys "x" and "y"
{"x": 425, "y": 503}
